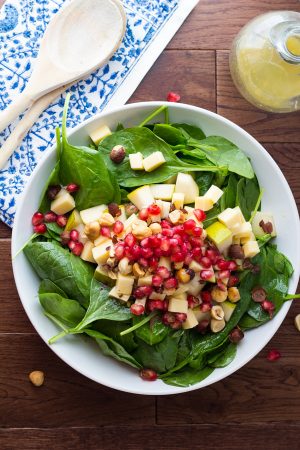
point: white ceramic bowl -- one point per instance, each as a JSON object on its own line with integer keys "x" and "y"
{"x": 82, "y": 354}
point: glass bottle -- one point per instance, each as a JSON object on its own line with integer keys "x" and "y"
{"x": 265, "y": 61}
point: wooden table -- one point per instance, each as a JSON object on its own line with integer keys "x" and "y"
{"x": 258, "y": 408}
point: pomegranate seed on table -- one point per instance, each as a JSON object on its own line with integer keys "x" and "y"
{"x": 199, "y": 214}
{"x": 61, "y": 220}
{"x": 37, "y": 218}
{"x": 157, "y": 280}
{"x": 105, "y": 231}
{"x": 50, "y": 217}
{"x": 148, "y": 375}
{"x": 163, "y": 272}
{"x": 77, "y": 249}
{"x": 173, "y": 97}
{"x": 137, "y": 309}
{"x": 154, "y": 210}
{"x": 74, "y": 235}
{"x": 273, "y": 355}
{"x": 144, "y": 214}
{"x": 72, "y": 187}
{"x": 40, "y": 228}
{"x": 118, "y": 227}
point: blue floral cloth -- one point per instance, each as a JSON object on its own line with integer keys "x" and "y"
{"x": 22, "y": 24}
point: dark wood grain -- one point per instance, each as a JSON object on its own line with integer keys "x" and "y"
{"x": 5, "y": 231}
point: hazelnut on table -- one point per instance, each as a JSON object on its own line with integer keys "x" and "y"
{"x": 37, "y": 377}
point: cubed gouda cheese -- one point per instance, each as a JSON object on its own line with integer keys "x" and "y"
{"x": 203, "y": 203}
{"x": 136, "y": 161}
{"x": 214, "y": 193}
{"x": 191, "y": 320}
{"x": 177, "y": 305}
{"x": 101, "y": 252}
{"x": 251, "y": 249}
{"x": 63, "y": 204}
{"x": 231, "y": 217}
{"x": 153, "y": 161}
{"x": 87, "y": 254}
{"x": 100, "y": 134}
{"x": 124, "y": 284}
{"x": 92, "y": 214}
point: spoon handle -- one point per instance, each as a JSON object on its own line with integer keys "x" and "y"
{"x": 21, "y": 129}
{"x": 8, "y": 115}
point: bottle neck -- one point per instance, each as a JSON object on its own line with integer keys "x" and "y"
{"x": 284, "y": 36}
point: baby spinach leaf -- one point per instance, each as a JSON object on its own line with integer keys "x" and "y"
{"x": 228, "y": 199}
{"x": 225, "y": 357}
{"x": 67, "y": 311}
{"x": 247, "y": 194}
{"x": 55, "y": 263}
{"x": 152, "y": 332}
{"x": 86, "y": 167}
{"x": 247, "y": 322}
{"x": 190, "y": 131}
{"x": 169, "y": 134}
{"x": 188, "y": 376}
{"x": 211, "y": 216}
{"x": 146, "y": 142}
{"x": 113, "y": 329}
{"x": 52, "y": 180}
{"x": 48, "y": 286}
{"x": 204, "y": 181}
{"x": 224, "y": 153}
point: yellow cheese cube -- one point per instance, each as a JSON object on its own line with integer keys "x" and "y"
{"x": 231, "y": 217}
{"x": 101, "y": 252}
{"x": 244, "y": 240}
{"x": 100, "y": 133}
{"x": 177, "y": 305}
{"x": 136, "y": 161}
{"x": 242, "y": 230}
{"x": 87, "y": 254}
{"x": 178, "y": 200}
{"x": 92, "y": 214}
{"x": 63, "y": 203}
{"x": 203, "y": 203}
{"x": 214, "y": 193}
{"x": 251, "y": 249}
{"x": 191, "y": 320}
{"x": 124, "y": 284}
{"x": 153, "y": 161}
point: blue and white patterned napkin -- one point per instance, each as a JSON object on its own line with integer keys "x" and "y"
{"x": 150, "y": 26}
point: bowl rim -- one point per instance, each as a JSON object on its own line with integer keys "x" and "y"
{"x": 224, "y": 372}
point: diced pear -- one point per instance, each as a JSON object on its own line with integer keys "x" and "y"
{"x": 244, "y": 240}
{"x": 171, "y": 180}
{"x": 231, "y": 217}
{"x": 153, "y": 161}
{"x": 178, "y": 200}
{"x": 162, "y": 191}
{"x": 251, "y": 249}
{"x": 236, "y": 240}
{"x": 124, "y": 284}
{"x": 100, "y": 133}
{"x": 145, "y": 281}
{"x": 92, "y": 214}
{"x": 195, "y": 286}
{"x": 164, "y": 208}
{"x": 157, "y": 296}
{"x": 82, "y": 236}
{"x": 180, "y": 296}
{"x": 179, "y": 306}
{"x": 100, "y": 240}
{"x": 122, "y": 216}
{"x": 196, "y": 267}
{"x": 87, "y": 254}
{"x": 180, "y": 290}
{"x": 114, "y": 293}
{"x": 136, "y": 161}
{"x": 186, "y": 184}
{"x": 165, "y": 262}
{"x": 201, "y": 315}
{"x": 228, "y": 309}
{"x": 242, "y": 230}
{"x": 220, "y": 235}
{"x": 102, "y": 276}
{"x": 203, "y": 203}
{"x": 73, "y": 221}
{"x": 141, "y": 197}
{"x": 101, "y": 252}
{"x": 214, "y": 193}
{"x": 191, "y": 320}
{"x": 130, "y": 221}
{"x": 63, "y": 203}
{"x": 141, "y": 301}
{"x": 266, "y": 217}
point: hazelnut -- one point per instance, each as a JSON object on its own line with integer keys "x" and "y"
{"x": 217, "y": 325}
{"x": 297, "y": 322}
{"x": 217, "y": 312}
{"x": 236, "y": 252}
{"x": 155, "y": 228}
{"x": 106, "y": 220}
{"x": 37, "y": 378}
{"x": 138, "y": 271}
{"x": 130, "y": 209}
{"x": 92, "y": 230}
{"x": 124, "y": 266}
{"x": 114, "y": 209}
{"x": 234, "y": 294}
{"x": 218, "y": 295}
{"x": 140, "y": 229}
{"x": 117, "y": 154}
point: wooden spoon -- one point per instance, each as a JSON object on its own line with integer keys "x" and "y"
{"x": 81, "y": 37}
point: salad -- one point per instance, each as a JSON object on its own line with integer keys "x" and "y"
{"x": 151, "y": 242}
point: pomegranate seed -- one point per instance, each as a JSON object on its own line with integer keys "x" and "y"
{"x": 232, "y": 265}
{"x": 71, "y": 244}
{"x": 130, "y": 240}
{"x": 178, "y": 257}
{"x": 223, "y": 274}
{"x": 144, "y": 214}
{"x": 206, "y": 274}
{"x": 166, "y": 305}
{"x": 154, "y": 241}
{"x": 146, "y": 252}
{"x": 171, "y": 283}
{"x": 236, "y": 335}
{"x": 167, "y": 232}
{"x": 165, "y": 224}
{"x": 173, "y": 97}
{"x": 202, "y": 326}
{"x": 136, "y": 251}
{"x": 197, "y": 231}
{"x": 153, "y": 263}
{"x": 143, "y": 291}
{"x": 199, "y": 214}
{"x": 174, "y": 242}
{"x": 222, "y": 264}
{"x": 181, "y": 317}
{"x": 193, "y": 301}
{"x": 273, "y": 355}
{"x": 50, "y": 217}
{"x": 206, "y": 296}
{"x": 119, "y": 250}
{"x": 175, "y": 250}
{"x": 118, "y": 227}
{"x": 233, "y": 280}
{"x": 105, "y": 231}
{"x": 268, "y": 307}
{"x": 148, "y": 375}
{"x": 40, "y": 228}
{"x": 155, "y": 305}
{"x": 188, "y": 259}
{"x": 221, "y": 285}
{"x": 74, "y": 235}
{"x": 163, "y": 272}
{"x": 52, "y": 191}
{"x": 197, "y": 253}
{"x": 176, "y": 325}
{"x": 154, "y": 210}
{"x": 184, "y": 248}
{"x": 72, "y": 187}
{"x": 189, "y": 225}
{"x": 77, "y": 249}
{"x": 158, "y": 252}
{"x": 205, "y": 307}
{"x": 65, "y": 237}
{"x": 145, "y": 243}
{"x": 195, "y": 241}
{"x": 37, "y": 218}
{"x": 165, "y": 245}
{"x": 143, "y": 262}
{"x": 157, "y": 280}
{"x": 168, "y": 318}
{"x": 137, "y": 310}
{"x": 61, "y": 221}
{"x": 205, "y": 262}
{"x": 178, "y": 229}
{"x": 212, "y": 255}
